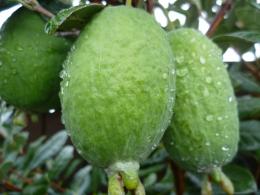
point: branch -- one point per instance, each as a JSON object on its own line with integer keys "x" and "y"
{"x": 149, "y": 6}
{"x": 253, "y": 70}
{"x": 219, "y": 17}
{"x": 178, "y": 178}
{"x": 35, "y": 6}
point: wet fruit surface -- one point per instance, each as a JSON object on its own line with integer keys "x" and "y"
{"x": 30, "y": 62}
{"x": 204, "y": 130}
{"x": 118, "y": 87}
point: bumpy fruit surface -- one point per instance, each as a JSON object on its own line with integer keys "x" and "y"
{"x": 118, "y": 88}
{"x": 30, "y": 62}
{"x": 204, "y": 130}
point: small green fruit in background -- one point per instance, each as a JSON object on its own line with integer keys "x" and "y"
{"x": 204, "y": 131}
{"x": 117, "y": 91}
{"x": 30, "y": 62}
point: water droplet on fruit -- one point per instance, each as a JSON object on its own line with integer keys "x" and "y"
{"x": 19, "y": 48}
{"x": 220, "y": 118}
{"x": 182, "y": 72}
{"x": 202, "y": 60}
{"x": 179, "y": 59}
{"x": 164, "y": 75}
{"x": 225, "y": 148}
{"x": 230, "y": 99}
{"x": 209, "y": 117}
{"x": 173, "y": 71}
{"x": 208, "y": 79}
{"x": 206, "y": 92}
{"x": 66, "y": 83}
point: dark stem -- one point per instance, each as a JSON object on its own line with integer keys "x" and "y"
{"x": 149, "y": 6}
{"x": 253, "y": 70}
{"x": 226, "y": 6}
{"x": 43, "y": 11}
{"x": 9, "y": 186}
{"x": 178, "y": 178}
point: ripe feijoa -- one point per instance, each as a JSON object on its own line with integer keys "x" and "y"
{"x": 118, "y": 88}
{"x": 204, "y": 130}
{"x": 30, "y": 62}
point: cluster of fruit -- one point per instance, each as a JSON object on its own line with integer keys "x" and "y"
{"x": 118, "y": 90}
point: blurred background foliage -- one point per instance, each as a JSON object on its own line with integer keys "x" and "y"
{"x": 49, "y": 164}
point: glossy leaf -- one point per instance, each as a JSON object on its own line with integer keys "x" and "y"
{"x": 50, "y": 148}
{"x": 249, "y": 107}
{"x": 249, "y": 135}
{"x": 61, "y": 162}
{"x": 72, "y": 18}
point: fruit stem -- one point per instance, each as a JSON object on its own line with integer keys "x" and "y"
{"x": 225, "y": 183}
{"x": 115, "y": 186}
{"x": 128, "y": 3}
{"x": 206, "y": 187}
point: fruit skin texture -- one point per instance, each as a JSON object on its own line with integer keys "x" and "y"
{"x": 30, "y": 62}
{"x": 118, "y": 88}
{"x": 204, "y": 130}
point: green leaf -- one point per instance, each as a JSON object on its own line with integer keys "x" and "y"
{"x": 249, "y": 107}
{"x": 61, "y": 162}
{"x": 71, "y": 168}
{"x": 249, "y": 135}
{"x": 32, "y": 148}
{"x": 243, "y": 180}
{"x": 35, "y": 190}
{"x": 49, "y": 149}
{"x": 4, "y": 168}
{"x": 248, "y": 17}
{"x": 81, "y": 181}
{"x": 72, "y": 18}
{"x": 242, "y": 82}
{"x": 241, "y": 39}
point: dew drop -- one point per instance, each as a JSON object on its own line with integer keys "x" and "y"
{"x": 67, "y": 84}
{"x": 225, "y": 148}
{"x": 208, "y": 79}
{"x": 206, "y": 92}
{"x": 202, "y": 60}
{"x": 219, "y": 118}
{"x": 164, "y": 75}
{"x": 209, "y": 118}
{"x": 179, "y": 59}
{"x": 230, "y": 99}
{"x": 182, "y": 72}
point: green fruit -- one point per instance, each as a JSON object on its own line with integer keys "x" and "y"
{"x": 30, "y": 62}
{"x": 118, "y": 89}
{"x": 204, "y": 130}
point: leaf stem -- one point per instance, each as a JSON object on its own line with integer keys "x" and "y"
{"x": 226, "y": 6}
